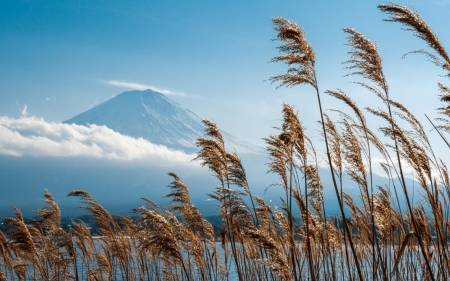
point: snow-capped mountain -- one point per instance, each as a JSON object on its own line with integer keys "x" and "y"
{"x": 157, "y": 118}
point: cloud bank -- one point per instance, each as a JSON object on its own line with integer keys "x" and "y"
{"x": 136, "y": 86}
{"x": 31, "y": 136}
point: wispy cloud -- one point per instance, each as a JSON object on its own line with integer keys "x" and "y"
{"x": 377, "y": 168}
{"x": 31, "y": 136}
{"x": 50, "y": 99}
{"x": 136, "y": 86}
{"x": 24, "y": 111}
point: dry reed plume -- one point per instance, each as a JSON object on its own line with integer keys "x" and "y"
{"x": 373, "y": 238}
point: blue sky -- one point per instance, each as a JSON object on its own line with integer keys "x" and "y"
{"x": 60, "y": 58}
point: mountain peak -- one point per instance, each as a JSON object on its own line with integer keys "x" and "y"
{"x": 153, "y": 116}
{"x": 139, "y": 93}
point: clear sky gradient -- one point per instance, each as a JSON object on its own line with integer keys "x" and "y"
{"x": 60, "y": 58}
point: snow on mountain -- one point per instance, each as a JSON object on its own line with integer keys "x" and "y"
{"x": 155, "y": 117}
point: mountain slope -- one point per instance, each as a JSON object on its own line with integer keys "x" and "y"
{"x": 155, "y": 117}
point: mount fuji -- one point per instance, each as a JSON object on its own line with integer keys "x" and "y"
{"x": 155, "y": 117}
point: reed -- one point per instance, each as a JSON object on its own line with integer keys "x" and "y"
{"x": 372, "y": 240}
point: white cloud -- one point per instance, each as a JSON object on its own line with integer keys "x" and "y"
{"x": 24, "y": 112}
{"x": 377, "y": 169}
{"x": 31, "y": 136}
{"x": 136, "y": 86}
{"x": 50, "y": 99}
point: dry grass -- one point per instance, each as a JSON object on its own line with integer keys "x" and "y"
{"x": 373, "y": 240}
